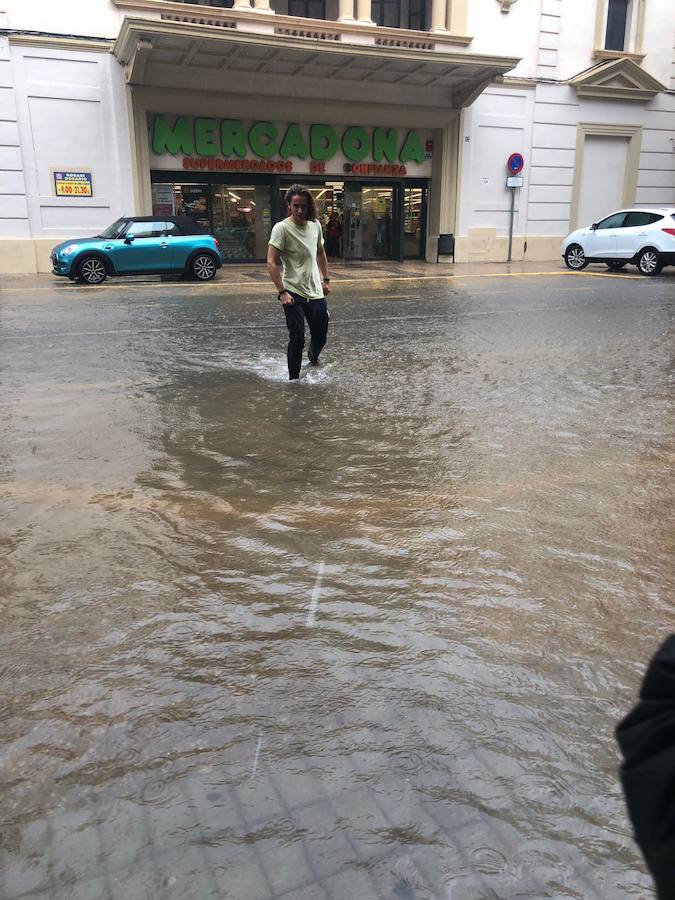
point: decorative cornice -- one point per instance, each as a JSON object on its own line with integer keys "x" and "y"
{"x": 228, "y": 17}
{"x": 133, "y": 28}
{"x": 618, "y": 79}
{"x": 617, "y": 54}
{"x": 59, "y": 42}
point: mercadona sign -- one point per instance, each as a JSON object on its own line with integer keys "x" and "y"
{"x": 234, "y": 145}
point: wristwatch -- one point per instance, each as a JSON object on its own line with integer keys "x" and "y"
{"x": 280, "y": 293}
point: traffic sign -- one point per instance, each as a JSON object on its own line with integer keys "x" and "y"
{"x": 515, "y": 163}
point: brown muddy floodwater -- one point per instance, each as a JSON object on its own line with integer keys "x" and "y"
{"x": 365, "y": 636}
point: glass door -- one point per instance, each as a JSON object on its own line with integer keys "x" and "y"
{"x": 330, "y": 211}
{"x": 414, "y": 222}
{"x": 352, "y": 239}
{"x": 377, "y": 205}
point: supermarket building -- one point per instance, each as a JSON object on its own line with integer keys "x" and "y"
{"x": 400, "y": 114}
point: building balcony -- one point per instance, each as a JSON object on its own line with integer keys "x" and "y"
{"x": 165, "y": 43}
{"x": 435, "y": 25}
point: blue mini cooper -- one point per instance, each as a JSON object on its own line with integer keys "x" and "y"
{"x": 140, "y": 245}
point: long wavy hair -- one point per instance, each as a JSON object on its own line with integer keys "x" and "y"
{"x": 301, "y": 190}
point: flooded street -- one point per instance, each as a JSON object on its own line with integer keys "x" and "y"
{"x": 363, "y": 636}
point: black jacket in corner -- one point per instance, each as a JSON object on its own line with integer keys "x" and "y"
{"x": 647, "y": 739}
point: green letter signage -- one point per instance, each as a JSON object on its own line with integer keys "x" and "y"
{"x": 212, "y": 138}
{"x": 412, "y": 150}
{"x": 323, "y": 142}
{"x": 206, "y": 140}
{"x": 178, "y": 139}
{"x": 293, "y": 143}
{"x": 385, "y": 143}
{"x": 265, "y": 149}
{"x": 355, "y": 144}
{"x": 232, "y": 138}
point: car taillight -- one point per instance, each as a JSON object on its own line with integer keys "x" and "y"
{"x": 669, "y": 231}
{"x": 218, "y": 242}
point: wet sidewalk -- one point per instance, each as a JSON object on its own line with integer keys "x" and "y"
{"x": 340, "y": 271}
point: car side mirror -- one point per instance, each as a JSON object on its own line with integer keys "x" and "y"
{"x": 594, "y": 226}
{"x": 129, "y": 239}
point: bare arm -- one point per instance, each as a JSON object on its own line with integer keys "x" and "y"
{"x": 323, "y": 267}
{"x": 276, "y": 272}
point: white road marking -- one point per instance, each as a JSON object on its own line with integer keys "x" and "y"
{"x": 257, "y": 757}
{"x": 315, "y": 596}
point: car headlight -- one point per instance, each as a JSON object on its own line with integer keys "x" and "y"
{"x": 69, "y": 250}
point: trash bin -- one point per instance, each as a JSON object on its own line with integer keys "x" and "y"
{"x": 446, "y": 246}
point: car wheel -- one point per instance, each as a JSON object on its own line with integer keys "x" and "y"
{"x": 616, "y": 266}
{"x": 649, "y": 261}
{"x": 92, "y": 270}
{"x": 575, "y": 258}
{"x": 203, "y": 267}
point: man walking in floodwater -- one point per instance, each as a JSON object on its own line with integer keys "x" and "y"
{"x": 296, "y": 261}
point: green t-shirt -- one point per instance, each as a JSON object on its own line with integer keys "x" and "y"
{"x": 298, "y": 246}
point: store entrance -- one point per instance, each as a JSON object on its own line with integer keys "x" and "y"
{"x": 370, "y": 221}
{"x": 330, "y": 209}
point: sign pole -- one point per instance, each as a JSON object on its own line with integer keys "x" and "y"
{"x": 513, "y": 196}
{"x": 514, "y": 166}
{"x": 513, "y": 205}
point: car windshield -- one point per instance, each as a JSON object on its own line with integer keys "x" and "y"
{"x": 113, "y": 230}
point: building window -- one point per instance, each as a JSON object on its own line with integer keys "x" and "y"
{"x": 307, "y": 9}
{"x": 386, "y": 13}
{"x": 417, "y": 15}
{"x": 617, "y": 20}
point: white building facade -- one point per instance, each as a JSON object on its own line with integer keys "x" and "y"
{"x": 401, "y": 114}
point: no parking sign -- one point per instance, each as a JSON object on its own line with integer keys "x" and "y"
{"x": 515, "y": 163}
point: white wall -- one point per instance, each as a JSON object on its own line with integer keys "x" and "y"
{"x": 659, "y": 40}
{"x": 499, "y": 123}
{"x": 542, "y": 124}
{"x": 13, "y": 201}
{"x": 91, "y": 18}
{"x": 656, "y": 178}
{"x": 559, "y": 35}
{"x": 71, "y": 110}
{"x": 577, "y": 35}
{"x": 508, "y": 34}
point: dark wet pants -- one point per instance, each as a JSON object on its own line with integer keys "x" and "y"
{"x": 316, "y": 313}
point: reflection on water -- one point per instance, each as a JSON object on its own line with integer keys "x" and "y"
{"x": 363, "y": 636}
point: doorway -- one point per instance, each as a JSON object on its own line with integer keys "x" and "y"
{"x": 370, "y": 221}
{"x": 414, "y": 222}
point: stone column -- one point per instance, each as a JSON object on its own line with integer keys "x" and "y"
{"x": 439, "y": 15}
{"x": 262, "y": 6}
{"x": 456, "y": 16}
{"x": 242, "y": 4}
{"x": 363, "y": 12}
{"x": 346, "y": 11}
{"x": 443, "y": 193}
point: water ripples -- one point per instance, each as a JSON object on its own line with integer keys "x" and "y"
{"x": 474, "y": 521}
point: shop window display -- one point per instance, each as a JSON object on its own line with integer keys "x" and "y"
{"x": 242, "y": 220}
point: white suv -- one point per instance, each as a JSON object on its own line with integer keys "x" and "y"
{"x": 643, "y": 235}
